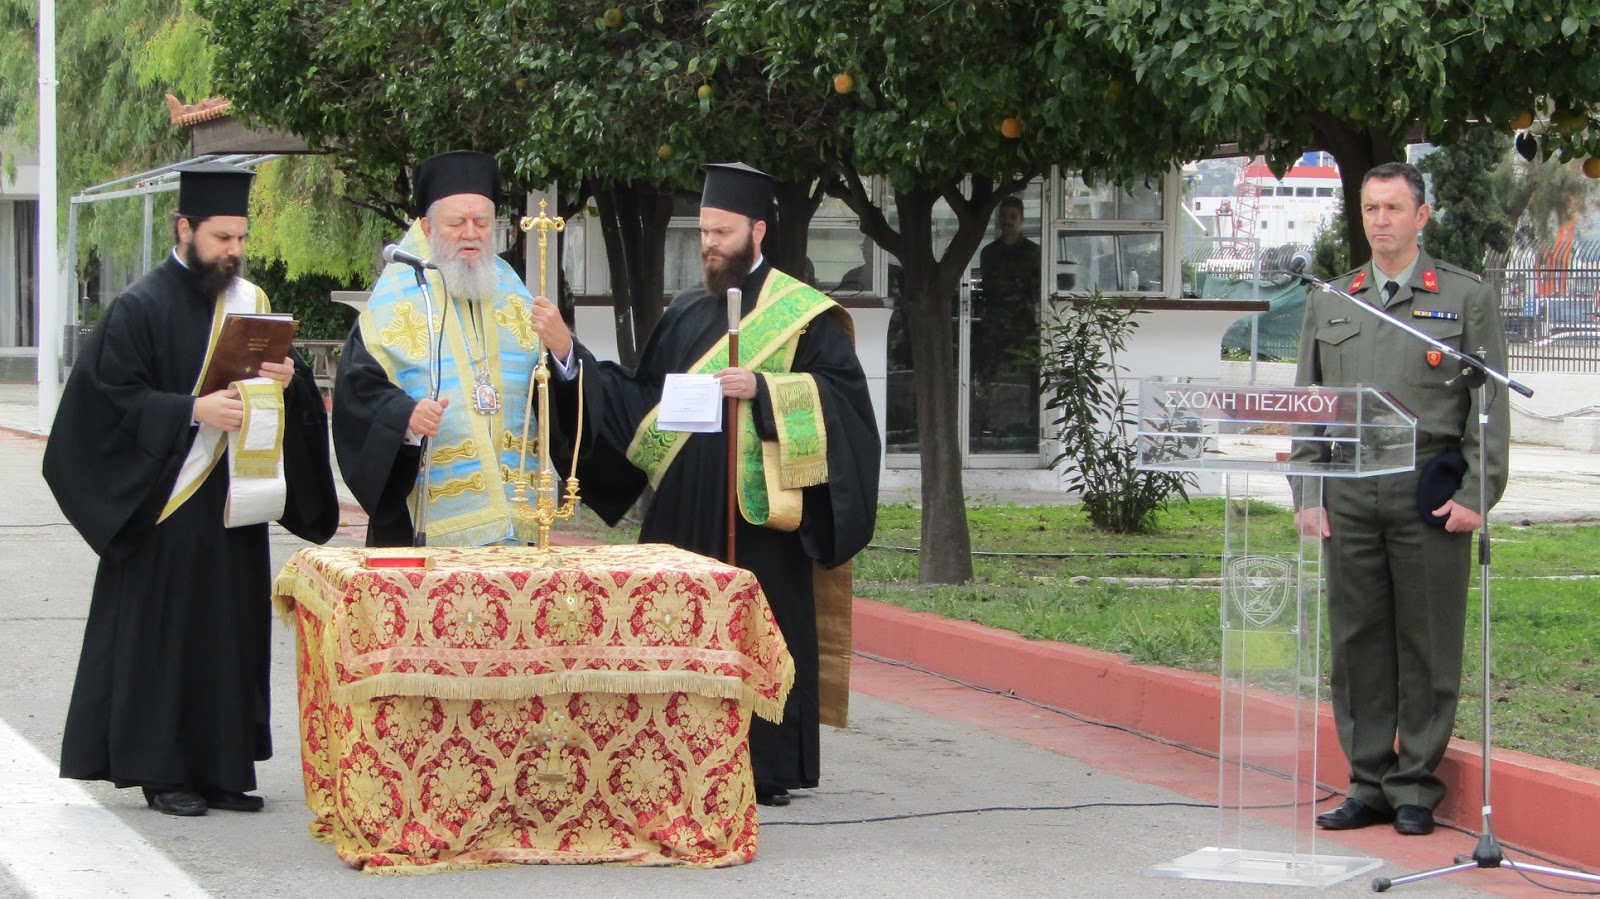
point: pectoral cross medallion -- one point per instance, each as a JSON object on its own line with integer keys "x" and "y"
{"x": 485, "y": 399}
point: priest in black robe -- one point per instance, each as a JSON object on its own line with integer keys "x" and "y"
{"x": 171, "y": 692}
{"x": 809, "y": 454}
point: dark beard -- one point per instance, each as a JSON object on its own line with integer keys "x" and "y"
{"x": 212, "y": 277}
{"x": 730, "y": 275}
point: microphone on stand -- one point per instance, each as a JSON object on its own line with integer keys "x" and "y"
{"x": 1297, "y": 265}
{"x": 393, "y": 254}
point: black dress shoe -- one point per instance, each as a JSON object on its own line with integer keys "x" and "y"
{"x": 1413, "y": 820}
{"x": 1351, "y": 815}
{"x": 176, "y": 802}
{"x": 230, "y": 801}
{"x": 778, "y": 798}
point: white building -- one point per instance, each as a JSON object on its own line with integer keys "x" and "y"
{"x": 19, "y": 259}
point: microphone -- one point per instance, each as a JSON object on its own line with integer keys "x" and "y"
{"x": 1297, "y": 265}
{"x": 392, "y": 254}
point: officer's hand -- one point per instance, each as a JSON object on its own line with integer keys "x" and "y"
{"x": 221, "y": 409}
{"x": 547, "y": 323}
{"x": 1312, "y": 522}
{"x": 426, "y": 416}
{"x": 1461, "y": 518}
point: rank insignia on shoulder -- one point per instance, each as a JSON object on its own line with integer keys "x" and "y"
{"x": 1434, "y": 358}
{"x": 1361, "y": 278}
{"x": 1431, "y": 313}
{"x": 1430, "y": 281}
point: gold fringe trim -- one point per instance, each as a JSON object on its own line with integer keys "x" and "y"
{"x": 432, "y": 868}
{"x": 446, "y": 687}
{"x": 806, "y": 474}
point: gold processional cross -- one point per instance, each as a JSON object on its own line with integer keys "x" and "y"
{"x": 545, "y": 510}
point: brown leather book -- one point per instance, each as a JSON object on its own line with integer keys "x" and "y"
{"x": 247, "y": 339}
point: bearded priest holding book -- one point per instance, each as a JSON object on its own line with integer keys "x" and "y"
{"x": 172, "y": 486}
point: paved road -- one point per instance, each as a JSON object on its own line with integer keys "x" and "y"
{"x": 918, "y": 746}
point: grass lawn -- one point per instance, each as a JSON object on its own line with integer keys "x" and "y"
{"x": 1038, "y": 572}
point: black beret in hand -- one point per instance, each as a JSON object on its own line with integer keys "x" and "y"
{"x": 1438, "y": 481}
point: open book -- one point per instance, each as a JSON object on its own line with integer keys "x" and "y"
{"x": 247, "y": 339}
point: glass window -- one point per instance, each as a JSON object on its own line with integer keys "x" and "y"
{"x": 1108, "y": 202}
{"x": 1324, "y": 191}
{"x": 1304, "y": 192}
{"x": 1285, "y": 191}
{"x": 1111, "y": 262}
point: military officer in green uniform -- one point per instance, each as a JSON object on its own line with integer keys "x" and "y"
{"x": 1397, "y": 559}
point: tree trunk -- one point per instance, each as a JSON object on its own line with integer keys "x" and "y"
{"x": 1356, "y": 152}
{"x": 785, "y": 245}
{"x": 932, "y": 332}
{"x": 633, "y": 224}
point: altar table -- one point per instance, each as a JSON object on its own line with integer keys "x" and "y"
{"x": 524, "y": 705}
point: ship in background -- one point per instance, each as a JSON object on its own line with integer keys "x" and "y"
{"x": 1265, "y": 211}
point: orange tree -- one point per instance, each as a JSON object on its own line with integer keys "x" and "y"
{"x": 960, "y": 104}
{"x": 1359, "y": 80}
{"x": 618, "y": 103}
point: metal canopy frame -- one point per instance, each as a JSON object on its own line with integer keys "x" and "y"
{"x": 144, "y": 185}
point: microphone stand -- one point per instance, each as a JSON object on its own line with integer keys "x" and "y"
{"x": 435, "y": 347}
{"x": 1475, "y": 374}
{"x": 730, "y": 417}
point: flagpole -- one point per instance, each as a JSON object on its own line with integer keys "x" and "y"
{"x": 49, "y": 306}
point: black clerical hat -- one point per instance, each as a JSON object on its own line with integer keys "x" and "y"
{"x": 456, "y": 172}
{"x": 213, "y": 188}
{"x": 1438, "y": 481}
{"x": 737, "y": 187}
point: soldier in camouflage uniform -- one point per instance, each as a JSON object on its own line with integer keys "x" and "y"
{"x": 1397, "y": 584}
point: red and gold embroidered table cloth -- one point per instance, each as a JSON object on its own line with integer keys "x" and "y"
{"x": 519, "y": 705}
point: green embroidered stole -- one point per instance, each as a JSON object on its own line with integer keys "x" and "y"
{"x": 770, "y": 473}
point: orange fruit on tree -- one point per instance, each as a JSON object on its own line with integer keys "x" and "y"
{"x": 612, "y": 17}
{"x": 664, "y": 152}
{"x": 844, "y": 83}
{"x": 1523, "y": 121}
{"x": 1591, "y": 167}
{"x": 704, "y": 92}
{"x": 1011, "y": 127}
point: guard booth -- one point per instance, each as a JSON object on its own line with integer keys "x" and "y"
{"x": 1271, "y": 604}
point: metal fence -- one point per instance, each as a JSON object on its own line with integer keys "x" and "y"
{"x": 1552, "y": 317}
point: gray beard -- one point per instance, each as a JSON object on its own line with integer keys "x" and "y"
{"x": 471, "y": 282}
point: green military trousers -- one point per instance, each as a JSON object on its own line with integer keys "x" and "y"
{"x": 1397, "y": 599}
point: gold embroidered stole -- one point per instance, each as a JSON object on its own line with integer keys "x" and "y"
{"x": 210, "y": 442}
{"x": 474, "y": 461}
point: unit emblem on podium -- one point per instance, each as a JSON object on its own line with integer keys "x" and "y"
{"x": 1259, "y": 587}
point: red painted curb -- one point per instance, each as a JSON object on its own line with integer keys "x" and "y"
{"x": 1548, "y": 807}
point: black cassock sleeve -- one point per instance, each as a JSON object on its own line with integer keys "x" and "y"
{"x": 118, "y": 440}
{"x": 311, "y": 511}
{"x": 370, "y": 414}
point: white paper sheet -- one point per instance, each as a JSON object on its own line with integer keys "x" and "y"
{"x": 691, "y": 403}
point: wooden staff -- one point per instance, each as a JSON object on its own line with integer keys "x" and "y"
{"x": 730, "y": 417}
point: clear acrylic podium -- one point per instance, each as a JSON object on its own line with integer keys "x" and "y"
{"x": 1271, "y": 601}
